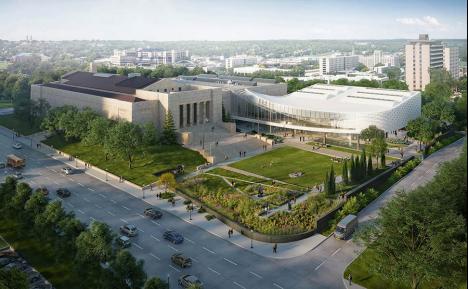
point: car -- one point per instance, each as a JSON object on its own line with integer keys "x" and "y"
{"x": 173, "y": 236}
{"x": 123, "y": 242}
{"x": 17, "y": 146}
{"x": 63, "y": 193}
{"x": 67, "y": 170}
{"x": 17, "y": 175}
{"x": 2, "y": 165}
{"x": 43, "y": 190}
{"x": 128, "y": 230}
{"x": 153, "y": 213}
{"x": 180, "y": 260}
{"x": 185, "y": 281}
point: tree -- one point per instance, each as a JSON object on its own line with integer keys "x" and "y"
{"x": 395, "y": 84}
{"x": 169, "y": 132}
{"x": 370, "y": 169}
{"x": 168, "y": 181}
{"x": 378, "y": 147}
{"x": 149, "y": 135}
{"x": 13, "y": 279}
{"x": 332, "y": 186}
{"x": 155, "y": 283}
{"x": 363, "y": 163}
{"x": 124, "y": 139}
{"x": 127, "y": 272}
{"x": 326, "y": 183}
{"x": 372, "y": 132}
{"x": 36, "y": 204}
{"x": 95, "y": 244}
{"x": 361, "y": 67}
{"x": 22, "y": 195}
{"x": 47, "y": 221}
{"x": 441, "y": 111}
{"x": 421, "y": 129}
{"x": 345, "y": 173}
{"x": 21, "y": 98}
{"x": 98, "y": 130}
{"x": 440, "y": 86}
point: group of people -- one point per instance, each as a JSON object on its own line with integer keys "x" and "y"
{"x": 302, "y": 138}
{"x": 242, "y": 154}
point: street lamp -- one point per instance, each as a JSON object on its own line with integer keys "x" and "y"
{"x": 251, "y": 239}
{"x": 143, "y": 190}
{"x": 168, "y": 279}
{"x": 190, "y": 212}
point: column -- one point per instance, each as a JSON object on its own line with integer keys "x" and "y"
{"x": 181, "y": 116}
{"x": 188, "y": 114}
{"x": 195, "y": 113}
{"x": 208, "y": 110}
{"x": 201, "y": 107}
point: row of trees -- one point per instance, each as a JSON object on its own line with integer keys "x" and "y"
{"x": 429, "y": 245}
{"x": 94, "y": 258}
{"x": 161, "y": 71}
{"x": 118, "y": 138}
{"x": 329, "y": 182}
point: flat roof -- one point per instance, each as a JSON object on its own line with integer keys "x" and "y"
{"x": 341, "y": 98}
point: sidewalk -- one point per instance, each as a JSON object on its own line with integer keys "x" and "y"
{"x": 215, "y": 227}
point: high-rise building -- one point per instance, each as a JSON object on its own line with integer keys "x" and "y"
{"x": 422, "y": 55}
{"x": 240, "y": 60}
{"x": 379, "y": 58}
{"x": 335, "y": 63}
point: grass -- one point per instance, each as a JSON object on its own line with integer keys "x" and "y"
{"x": 41, "y": 256}
{"x": 147, "y": 161}
{"x": 3, "y": 65}
{"x": 5, "y": 104}
{"x": 279, "y": 163}
{"x": 19, "y": 125}
{"x": 362, "y": 275}
{"x": 352, "y": 151}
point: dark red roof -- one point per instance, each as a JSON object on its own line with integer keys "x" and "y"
{"x": 108, "y": 94}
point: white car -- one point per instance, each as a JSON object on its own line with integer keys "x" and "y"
{"x": 17, "y": 146}
{"x": 67, "y": 171}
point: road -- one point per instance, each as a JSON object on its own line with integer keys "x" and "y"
{"x": 217, "y": 262}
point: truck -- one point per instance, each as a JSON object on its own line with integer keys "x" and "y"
{"x": 15, "y": 161}
{"x": 346, "y": 227}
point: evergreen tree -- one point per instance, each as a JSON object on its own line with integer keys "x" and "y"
{"x": 352, "y": 173}
{"x": 344, "y": 173}
{"x": 169, "y": 132}
{"x": 332, "y": 185}
{"x": 357, "y": 169}
{"x": 370, "y": 169}
{"x": 363, "y": 164}
{"x": 326, "y": 183}
{"x": 382, "y": 160}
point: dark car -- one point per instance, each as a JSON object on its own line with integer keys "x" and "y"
{"x": 180, "y": 260}
{"x": 153, "y": 213}
{"x": 185, "y": 281}
{"x": 173, "y": 236}
{"x": 63, "y": 193}
{"x": 123, "y": 242}
{"x": 43, "y": 190}
{"x": 128, "y": 230}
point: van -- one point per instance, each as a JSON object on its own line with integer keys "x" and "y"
{"x": 346, "y": 227}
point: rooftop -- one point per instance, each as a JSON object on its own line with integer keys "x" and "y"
{"x": 341, "y": 99}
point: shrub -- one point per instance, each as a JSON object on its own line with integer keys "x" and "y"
{"x": 209, "y": 217}
{"x": 187, "y": 202}
{"x": 201, "y": 210}
{"x": 167, "y": 195}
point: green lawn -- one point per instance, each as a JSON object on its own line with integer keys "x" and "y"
{"x": 359, "y": 269}
{"x": 352, "y": 151}
{"x": 5, "y": 104}
{"x": 279, "y": 163}
{"x": 42, "y": 256}
{"x": 3, "y": 65}
{"x": 18, "y": 125}
{"x": 148, "y": 160}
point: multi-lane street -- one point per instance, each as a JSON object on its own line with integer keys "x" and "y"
{"x": 217, "y": 262}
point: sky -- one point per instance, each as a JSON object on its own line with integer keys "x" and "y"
{"x": 172, "y": 20}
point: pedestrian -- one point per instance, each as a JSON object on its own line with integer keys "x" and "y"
{"x": 275, "y": 247}
{"x": 240, "y": 154}
{"x": 350, "y": 279}
{"x": 216, "y": 143}
{"x": 173, "y": 202}
{"x": 229, "y": 233}
{"x": 244, "y": 154}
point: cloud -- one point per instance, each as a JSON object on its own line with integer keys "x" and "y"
{"x": 426, "y": 21}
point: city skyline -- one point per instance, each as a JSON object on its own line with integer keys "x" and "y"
{"x": 246, "y": 20}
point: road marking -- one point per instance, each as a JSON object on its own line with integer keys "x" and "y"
{"x": 138, "y": 246}
{"x": 235, "y": 283}
{"x": 214, "y": 271}
{"x": 71, "y": 205}
{"x": 156, "y": 223}
{"x": 92, "y": 219}
{"x": 193, "y": 259}
{"x": 55, "y": 182}
{"x": 126, "y": 208}
{"x": 141, "y": 215}
{"x": 91, "y": 189}
{"x": 174, "y": 268}
{"x": 81, "y": 212}
{"x": 155, "y": 238}
{"x": 337, "y": 250}
{"x": 206, "y": 249}
{"x": 229, "y": 261}
{"x": 102, "y": 196}
{"x": 140, "y": 230}
{"x": 113, "y": 201}
{"x": 256, "y": 275}
{"x": 110, "y": 213}
{"x": 33, "y": 183}
{"x": 86, "y": 200}
{"x": 123, "y": 220}
{"x": 154, "y": 256}
{"x": 276, "y": 285}
{"x": 190, "y": 241}
{"x": 80, "y": 184}
{"x": 172, "y": 248}
{"x": 97, "y": 206}
{"x": 320, "y": 265}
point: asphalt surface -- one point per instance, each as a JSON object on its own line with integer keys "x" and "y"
{"x": 216, "y": 262}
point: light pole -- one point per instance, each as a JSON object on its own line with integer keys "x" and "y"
{"x": 190, "y": 212}
{"x": 76, "y": 161}
{"x": 251, "y": 239}
{"x": 168, "y": 281}
{"x": 106, "y": 175}
{"x": 143, "y": 191}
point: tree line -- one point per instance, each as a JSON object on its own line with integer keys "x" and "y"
{"x": 119, "y": 138}
{"x": 90, "y": 251}
{"x": 161, "y": 71}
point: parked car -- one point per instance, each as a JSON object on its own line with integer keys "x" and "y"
{"x": 63, "y": 193}
{"x": 173, "y": 236}
{"x": 153, "y": 213}
{"x": 2, "y": 165}
{"x": 185, "y": 281}
{"x": 346, "y": 227}
{"x": 67, "y": 170}
{"x": 17, "y": 146}
{"x": 128, "y": 230}
{"x": 123, "y": 242}
{"x": 43, "y": 190}
{"x": 180, "y": 260}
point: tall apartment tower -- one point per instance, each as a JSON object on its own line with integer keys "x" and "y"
{"x": 422, "y": 55}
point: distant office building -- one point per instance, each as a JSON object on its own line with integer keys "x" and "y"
{"x": 147, "y": 57}
{"x": 336, "y": 63}
{"x": 422, "y": 55}
{"x": 370, "y": 61}
{"x": 240, "y": 60}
